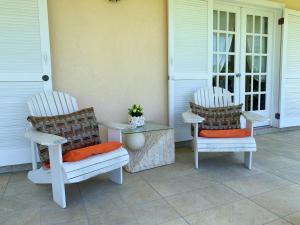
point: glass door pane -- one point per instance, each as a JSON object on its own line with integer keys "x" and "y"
{"x": 226, "y": 48}
{"x": 256, "y": 58}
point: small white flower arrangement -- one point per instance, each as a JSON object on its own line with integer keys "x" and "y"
{"x": 136, "y": 116}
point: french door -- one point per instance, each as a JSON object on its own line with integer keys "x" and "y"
{"x": 242, "y": 40}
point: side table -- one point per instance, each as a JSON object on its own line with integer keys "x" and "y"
{"x": 149, "y": 146}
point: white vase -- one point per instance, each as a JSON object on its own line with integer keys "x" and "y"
{"x": 137, "y": 121}
{"x": 135, "y": 141}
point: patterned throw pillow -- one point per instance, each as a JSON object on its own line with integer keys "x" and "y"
{"x": 219, "y": 118}
{"x": 79, "y": 128}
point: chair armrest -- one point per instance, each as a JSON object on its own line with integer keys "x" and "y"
{"x": 254, "y": 117}
{"x": 189, "y": 117}
{"x": 44, "y": 138}
{"x": 115, "y": 126}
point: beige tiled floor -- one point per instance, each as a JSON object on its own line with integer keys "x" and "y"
{"x": 221, "y": 192}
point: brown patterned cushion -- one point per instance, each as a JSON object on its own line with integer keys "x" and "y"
{"x": 219, "y": 118}
{"x": 79, "y": 128}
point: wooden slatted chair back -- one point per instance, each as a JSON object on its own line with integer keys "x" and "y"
{"x": 212, "y": 97}
{"x": 52, "y": 104}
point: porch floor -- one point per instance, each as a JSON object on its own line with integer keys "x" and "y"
{"x": 221, "y": 192}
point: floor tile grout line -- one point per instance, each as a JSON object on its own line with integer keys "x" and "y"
{"x": 284, "y": 219}
{"x": 277, "y": 220}
{"x": 279, "y": 187}
{"x": 132, "y": 212}
{"x": 276, "y": 140}
{"x": 244, "y": 177}
{"x": 40, "y": 215}
{"x": 277, "y": 154}
{"x": 248, "y": 198}
{"x": 223, "y": 184}
{"x": 229, "y": 203}
{"x": 287, "y": 179}
{"x": 280, "y": 155}
{"x": 83, "y": 204}
{"x": 6, "y": 185}
{"x": 176, "y": 176}
{"x": 130, "y": 206}
{"x": 163, "y": 198}
{"x": 88, "y": 214}
{"x": 275, "y": 189}
{"x": 166, "y": 201}
{"x": 186, "y": 191}
{"x": 212, "y": 207}
{"x": 206, "y": 178}
{"x": 243, "y": 197}
{"x": 284, "y": 167}
{"x": 284, "y": 178}
{"x": 185, "y": 220}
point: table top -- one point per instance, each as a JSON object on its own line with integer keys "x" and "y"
{"x": 149, "y": 126}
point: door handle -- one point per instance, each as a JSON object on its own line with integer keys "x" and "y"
{"x": 238, "y": 75}
{"x": 45, "y": 77}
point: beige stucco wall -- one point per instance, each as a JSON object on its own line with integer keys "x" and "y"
{"x": 111, "y": 55}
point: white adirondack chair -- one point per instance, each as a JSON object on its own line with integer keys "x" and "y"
{"x": 61, "y": 173}
{"x": 218, "y": 97}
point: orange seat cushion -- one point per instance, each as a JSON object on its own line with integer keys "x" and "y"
{"x": 83, "y": 153}
{"x": 234, "y": 133}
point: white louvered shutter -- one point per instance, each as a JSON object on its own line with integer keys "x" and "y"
{"x": 24, "y": 59}
{"x": 188, "y": 58}
{"x": 290, "y": 76}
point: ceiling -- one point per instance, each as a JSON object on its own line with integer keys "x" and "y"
{"x": 292, "y": 4}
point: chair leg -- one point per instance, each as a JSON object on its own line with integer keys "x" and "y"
{"x": 59, "y": 192}
{"x": 116, "y": 176}
{"x": 248, "y": 160}
{"x": 33, "y": 156}
{"x": 196, "y": 153}
{"x": 196, "y": 158}
{"x": 58, "y": 186}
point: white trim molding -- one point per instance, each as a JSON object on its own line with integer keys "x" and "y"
{"x": 263, "y": 3}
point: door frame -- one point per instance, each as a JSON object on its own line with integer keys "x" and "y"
{"x": 277, "y": 9}
{"x": 45, "y": 42}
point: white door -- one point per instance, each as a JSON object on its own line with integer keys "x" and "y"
{"x": 256, "y": 61}
{"x": 25, "y": 69}
{"x": 189, "y": 67}
{"x": 290, "y": 74}
{"x": 242, "y": 47}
